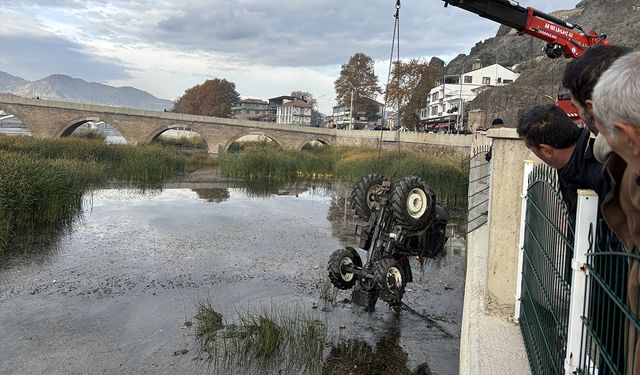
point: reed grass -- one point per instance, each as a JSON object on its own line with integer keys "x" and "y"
{"x": 89, "y": 134}
{"x": 447, "y": 177}
{"x": 269, "y": 340}
{"x": 196, "y": 142}
{"x": 42, "y": 181}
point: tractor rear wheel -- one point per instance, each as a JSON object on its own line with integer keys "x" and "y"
{"x": 341, "y": 265}
{"x": 364, "y": 193}
{"x": 413, "y": 203}
{"x": 391, "y": 279}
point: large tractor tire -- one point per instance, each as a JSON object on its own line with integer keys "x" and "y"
{"x": 391, "y": 279}
{"x": 363, "y": 195}
{"x": 340, "y": 263}
{"x": 413, "y": 203}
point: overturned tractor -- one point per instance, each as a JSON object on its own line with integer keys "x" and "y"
{"x": 404, "y": 221}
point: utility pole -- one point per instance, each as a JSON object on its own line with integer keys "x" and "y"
{"x": 351, "y": 112}
{"x": 461, "y": 103}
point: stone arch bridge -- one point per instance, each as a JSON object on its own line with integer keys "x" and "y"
{"x": 46, "y": 118}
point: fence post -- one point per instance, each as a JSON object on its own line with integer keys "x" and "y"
{"x": 528, "y": 168}
{"x": 586, "y": 219}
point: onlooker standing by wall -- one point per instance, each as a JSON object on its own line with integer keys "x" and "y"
{"x": 616, "y": 104}
{"x": 495, "y": 124}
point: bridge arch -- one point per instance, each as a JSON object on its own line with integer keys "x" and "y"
{"x": 173, "y": 126}
{"x": 176, "y": 139}
{"x": 237, "y": 136}
{"x": 311, "y": 140}
{"x": 66, "y": 129}
{"x": 12, "y": 124}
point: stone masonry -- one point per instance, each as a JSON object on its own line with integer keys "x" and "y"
{"x": 45, "y": 118}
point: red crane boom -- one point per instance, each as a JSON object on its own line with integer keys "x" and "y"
{"x": 563, "y": 38}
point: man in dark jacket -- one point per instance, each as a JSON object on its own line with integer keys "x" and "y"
{"x": 551, "y": 135}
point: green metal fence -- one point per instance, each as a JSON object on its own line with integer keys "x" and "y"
{"x": 577, "y": 312}
{"x": 546, "y": 273}
{"x": 609, "y": 325}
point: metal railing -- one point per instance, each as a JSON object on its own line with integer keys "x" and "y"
{"x": 546, "y": 250}
{"x": 609, "y": 324}
{"x": 478, "y": 191}
{"x": 572, "y": 298}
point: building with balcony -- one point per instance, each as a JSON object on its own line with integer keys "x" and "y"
{"x": 446, "y": 101}
{"x": 342, "y": 114}
{"x": 251, "y": 109}
{"x": 296, "y": 112}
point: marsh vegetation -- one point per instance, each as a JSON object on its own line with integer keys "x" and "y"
{"x": 42, "y": 181}
{"x": 264, "y": 161}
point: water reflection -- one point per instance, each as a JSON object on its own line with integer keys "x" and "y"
{"x": 357, "y": 357}
{"x": 134, "y": 264}
{"x": 215, "y": 195}
{"x": 340, "y": 215}
{"x": 34, "y": 245}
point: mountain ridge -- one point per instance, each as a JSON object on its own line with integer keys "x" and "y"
{"x": 66, "y": 88}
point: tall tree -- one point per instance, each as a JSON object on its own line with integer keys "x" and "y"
{"x": 214, "y": 97}
{"x": 356, "y": 76}
{"x": 408, "y": 88}
{"x": 305, "y": 95}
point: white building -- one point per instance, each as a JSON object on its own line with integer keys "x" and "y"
{"x": 342, "y": 114}
{"x": 445, "y": 103}
{"x": 296, "y": 112}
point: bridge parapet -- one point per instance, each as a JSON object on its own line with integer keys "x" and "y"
{"x": 176, "y": 117}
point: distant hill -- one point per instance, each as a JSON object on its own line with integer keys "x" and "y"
{"x": 9, "y": 82}
{"x": 62, "y": 87}
{"x": 540, "y": 76}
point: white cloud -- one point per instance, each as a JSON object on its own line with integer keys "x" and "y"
{"x": 267, "y": 48}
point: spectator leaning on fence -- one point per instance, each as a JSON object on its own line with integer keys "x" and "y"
{"x": 581, "y": 76}
{"x": 553, "y": 137}
{"x": 616, "y": 104}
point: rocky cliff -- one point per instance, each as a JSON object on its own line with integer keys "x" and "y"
{"x": 540, "y": 76}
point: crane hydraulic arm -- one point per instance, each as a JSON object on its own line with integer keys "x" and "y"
{"x": 563, "y": 38}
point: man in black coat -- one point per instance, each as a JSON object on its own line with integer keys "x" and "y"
{"x": 553, "y": 137}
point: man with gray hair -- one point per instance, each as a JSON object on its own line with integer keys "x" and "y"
{"x": 616, "y": 104}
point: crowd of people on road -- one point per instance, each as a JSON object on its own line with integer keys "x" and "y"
{"x": 604, "y": 156}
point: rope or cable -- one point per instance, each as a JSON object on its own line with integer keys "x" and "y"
{"x": 396, "y": 36}
{"x": 435, "y": 323}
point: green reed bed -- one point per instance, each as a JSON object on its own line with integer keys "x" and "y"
{"x": 270, "y": 340}
{"x": 143, "y": 166}
{"x": 447, "y": 176}
{"x": 35, "y": 191}
{"x": 196, "y": 142}
{"x": 42, "y": 181}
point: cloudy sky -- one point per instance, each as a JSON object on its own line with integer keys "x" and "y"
{"x": 267, "y": 48}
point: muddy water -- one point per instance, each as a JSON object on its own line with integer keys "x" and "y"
{"x": 112, "y": 293}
